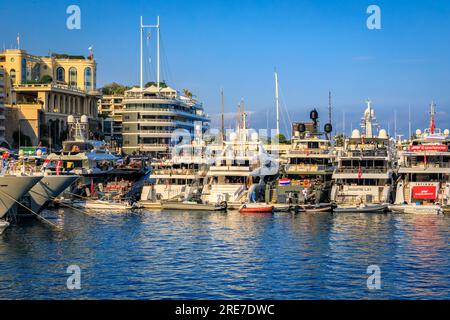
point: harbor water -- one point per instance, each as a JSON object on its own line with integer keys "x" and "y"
{"x": 189, "y": 255}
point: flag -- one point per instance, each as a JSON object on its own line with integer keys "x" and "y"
{"x": 359, "y": 172}
{"x": 46, "y": 163}
{"x": 58, "y": 166}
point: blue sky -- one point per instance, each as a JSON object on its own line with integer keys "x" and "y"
{"x": 316, "y": 46}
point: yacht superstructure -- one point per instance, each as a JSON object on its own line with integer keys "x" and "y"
{"x": 424, "y": 170}
{"x": 238, "y": 172}
{"x": 81, "y": 156}
{"x": 363, "y": 177}
{"x": 179, "y": 178}
{"x": 306, "y": 177}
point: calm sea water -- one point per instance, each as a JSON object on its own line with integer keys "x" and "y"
{"x": 188, "y": 255}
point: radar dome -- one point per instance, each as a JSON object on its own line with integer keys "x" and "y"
{"x": 356, "y": 134}
{"x": 446, "y": 132}
{"x": 382, "y": 134}
{"x": 84, "y": 119}
{"x": 418, "y": 132}
{"x": 70, "y": 119}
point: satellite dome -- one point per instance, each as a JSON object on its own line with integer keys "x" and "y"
{"x": 446, "y": 132}
{"x": 84, "y": 119}
{"x": 418, "y": 132}
{"x": 233, "y": 136}
{"x": 356, "y": 134}
{"x": 382, "y": 134}
{"x": 254, "y": 136}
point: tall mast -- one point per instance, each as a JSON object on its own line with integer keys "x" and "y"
{"x": 141, "y": 72}
{"x": 157, "y": 53}
{"x": 409, "y": 122}
{"x": 222, "y": 124}
{"x": 329, "y": 106}
{"x": 142, "y": 26}
{"x": 277, "y": 103}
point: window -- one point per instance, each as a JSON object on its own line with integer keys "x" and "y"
{"x": 88, "y": 79}
{"x": 60, "y": 74}
{"x": 72, "y": 77}
{"x": 12, "y": 74}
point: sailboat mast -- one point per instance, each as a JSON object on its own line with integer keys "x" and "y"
{"x": 409, "y": 121}
{"x": 222, "y": 124}
{"x": 157, "y": 54}
{"x": 277, "y": 103}
{"x": 141, "y": 73}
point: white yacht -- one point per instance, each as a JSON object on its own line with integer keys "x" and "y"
{"x": 180, "y": 178}
{"x": 423, "y": 185}
{"x": 12, "y": 189}
{"x": 80, "y": 156}
{"x": 363, "y": 177}
{"x": 238, "y": 173}
{"x": 47, "y": 189}
{"x": 3, "y": 225}
{"x": 306, "y": 178}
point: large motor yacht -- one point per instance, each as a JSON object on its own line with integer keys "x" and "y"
{"x": 306, "y": 178}
{"x": 81, "y": 156}
{"x": 423, "y": 185}
{"x": 240, "y": 170}
{"x": 363, "y": 177}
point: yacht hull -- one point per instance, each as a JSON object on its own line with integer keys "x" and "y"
{"x": 12, "y": 188}
{"x": 3, "y": 226}
{"x": 369, "y": 208}
{"x": 47, "y": 189}
{"x": 415, "y": 209}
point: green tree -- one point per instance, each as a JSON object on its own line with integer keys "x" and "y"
{"x": 282, "y": 139}
{"x": 339, "y": 140}
{"x": 114, "y": 89}
{"x": 162, "y": 84}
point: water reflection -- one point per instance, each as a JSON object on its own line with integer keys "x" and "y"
{"x": 198, "y": 255}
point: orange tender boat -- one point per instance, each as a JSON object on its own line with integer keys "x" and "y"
{"x": 256, "y": 208}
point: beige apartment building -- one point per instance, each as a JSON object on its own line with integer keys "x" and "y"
{"x": 41, "y": 91}
{"x": 110, "y": 108}
{"x": 3, "y": 142}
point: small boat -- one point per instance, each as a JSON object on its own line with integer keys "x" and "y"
{"x": 282, "y": 207}
{"x": 416, "y": 209}
{"x": 256, "y": 208}
{"x": 363, "y": 208}
{"x": 3, "y": 225}
{"x": 105, "y": 205}
{"x": 193, "y": 205}
{"x": 314, "y": 208}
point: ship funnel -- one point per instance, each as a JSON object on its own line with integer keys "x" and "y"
{"x": 356, "y": 134}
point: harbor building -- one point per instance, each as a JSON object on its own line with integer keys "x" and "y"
{"x": 110, "y": 108}
{"x": 151, "y": 115}
{"x": 3, "y": 142}
{"x": 41, "y": 91}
